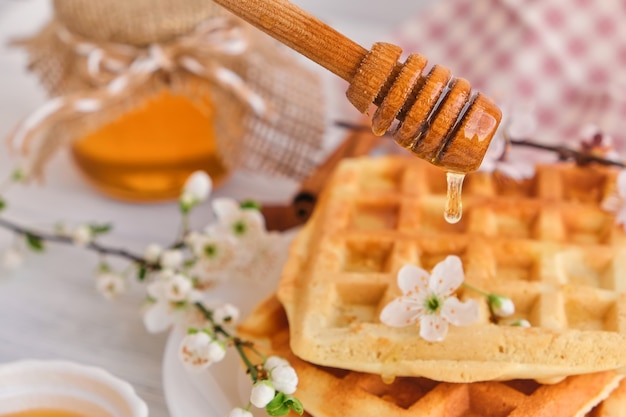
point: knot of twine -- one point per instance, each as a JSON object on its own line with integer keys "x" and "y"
{"x": 116, "y": 70}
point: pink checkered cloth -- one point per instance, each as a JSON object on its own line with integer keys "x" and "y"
{"x": 565, "y": 60}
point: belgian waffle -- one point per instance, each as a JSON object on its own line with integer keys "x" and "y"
{"x": 332, "y": 392}
{"x": 545, "y": 242}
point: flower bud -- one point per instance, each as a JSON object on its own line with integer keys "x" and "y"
{"x": 197, "y": 189}
{"x": 216, "y": 351}
{"x": 501, "y": 306}
{"x": 262, "y": 393}
{"x": 153, "y": 252}
{"x": 172, "y": 258}
{"x": 110, "y": 284}
{"x": 239, "y": 412}
{"x": 226, "y": 314}
{"x": 273, "y": 362}
{"x": 82, "y": 235}
{"x": 285, "y": 379}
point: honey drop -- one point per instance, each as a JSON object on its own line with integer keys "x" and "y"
{"x": 453, "y": 210}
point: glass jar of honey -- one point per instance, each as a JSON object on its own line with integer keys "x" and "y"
{"x": 147, "y": 154}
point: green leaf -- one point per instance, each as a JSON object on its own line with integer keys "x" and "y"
{"x": 296, "y": 405}
{"x": 3, "y": 204}
{"x": 17, "y": 175}
{"x": 99, "y": 229}
{"x": 282, "y": 403}
{"x": 250, "y": 205}
{"x": 35, "y": 243}
{"x": 142, "y": 272}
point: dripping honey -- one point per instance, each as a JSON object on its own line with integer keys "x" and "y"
{"x": 453, "y": 210}
{"x": 148, "y": 153}
{"x": 44, "y": 413}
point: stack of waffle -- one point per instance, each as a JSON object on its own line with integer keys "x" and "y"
{"x": 545, "y": 242}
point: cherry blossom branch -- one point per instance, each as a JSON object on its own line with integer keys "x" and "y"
{"x": 101, "y": 249}
{"x": 237, "y": 342}
{"x": 564, "y": 153}
{"x": 175, "y": 286}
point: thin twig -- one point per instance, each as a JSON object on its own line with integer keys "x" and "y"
{"x": 564, "y": 153}
{"x": 94, "y": 246}
{"x": 237, "y": 342}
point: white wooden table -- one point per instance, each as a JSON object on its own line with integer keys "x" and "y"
{"x": 50, "y": 308}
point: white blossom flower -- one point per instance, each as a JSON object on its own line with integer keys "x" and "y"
{"x": 262, "y": 393}
{"x": 428, "y": 299}
{"x": 170, "y": 295}
{"x": 82, "y": 235}
{"x": 596, "y": 143}
{"x": 236, "y": 221}
{"x": 616, "y": 202}
{"x": 239, "y": 412}
{"x": 110, "y": 284}
{"x": 226, "y": 314}
{"x": 196, "y": 189}
{"x": 199, "y": 350}
{"x": 12, "y": 259}
{"x": 172, "y": 258}
{"x": 496, "y": 159}
{"x": 501, "y": 306}
{"x": 216, "y": 253}
{"x": 153, "y": 253}
{"x": 284, "y": 378}
{"x": 273, "y": 362}
{"x": 178, "y": 288}
{"x": 519, "y": 125}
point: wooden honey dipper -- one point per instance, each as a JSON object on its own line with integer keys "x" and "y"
{"x": 440, "y": 119}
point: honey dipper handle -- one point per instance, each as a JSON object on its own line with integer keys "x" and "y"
{"x": 441, "y": 119}
{"x": 302, "y": 32}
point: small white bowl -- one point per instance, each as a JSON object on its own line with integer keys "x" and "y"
{"x": 68, "y": 386}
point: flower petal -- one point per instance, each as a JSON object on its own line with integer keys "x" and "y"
{"x": 447, "y": 276}
{"x": 412, "y": 279}
{"x": 433, "y": 328}
{"x": 224, "y": 207}
{"x": 400, "y": 313}
{"x": 460, "y": 313}
{"x": 158, "y": 317}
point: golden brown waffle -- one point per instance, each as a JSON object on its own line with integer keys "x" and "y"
{"x": 544, "y": 242}
{"x": 332, "y": 392}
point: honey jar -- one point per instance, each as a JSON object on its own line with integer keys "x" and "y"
{"x": 144, "y": 93}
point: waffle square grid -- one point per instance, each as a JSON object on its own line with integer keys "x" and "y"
{"x": 545, "y": 243}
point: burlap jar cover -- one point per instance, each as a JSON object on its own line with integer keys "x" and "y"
{"x": 100, "y": 59}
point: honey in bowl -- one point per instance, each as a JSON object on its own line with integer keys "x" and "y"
{"x": 147, "y": 154}
{"x": 45, "y": 413}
